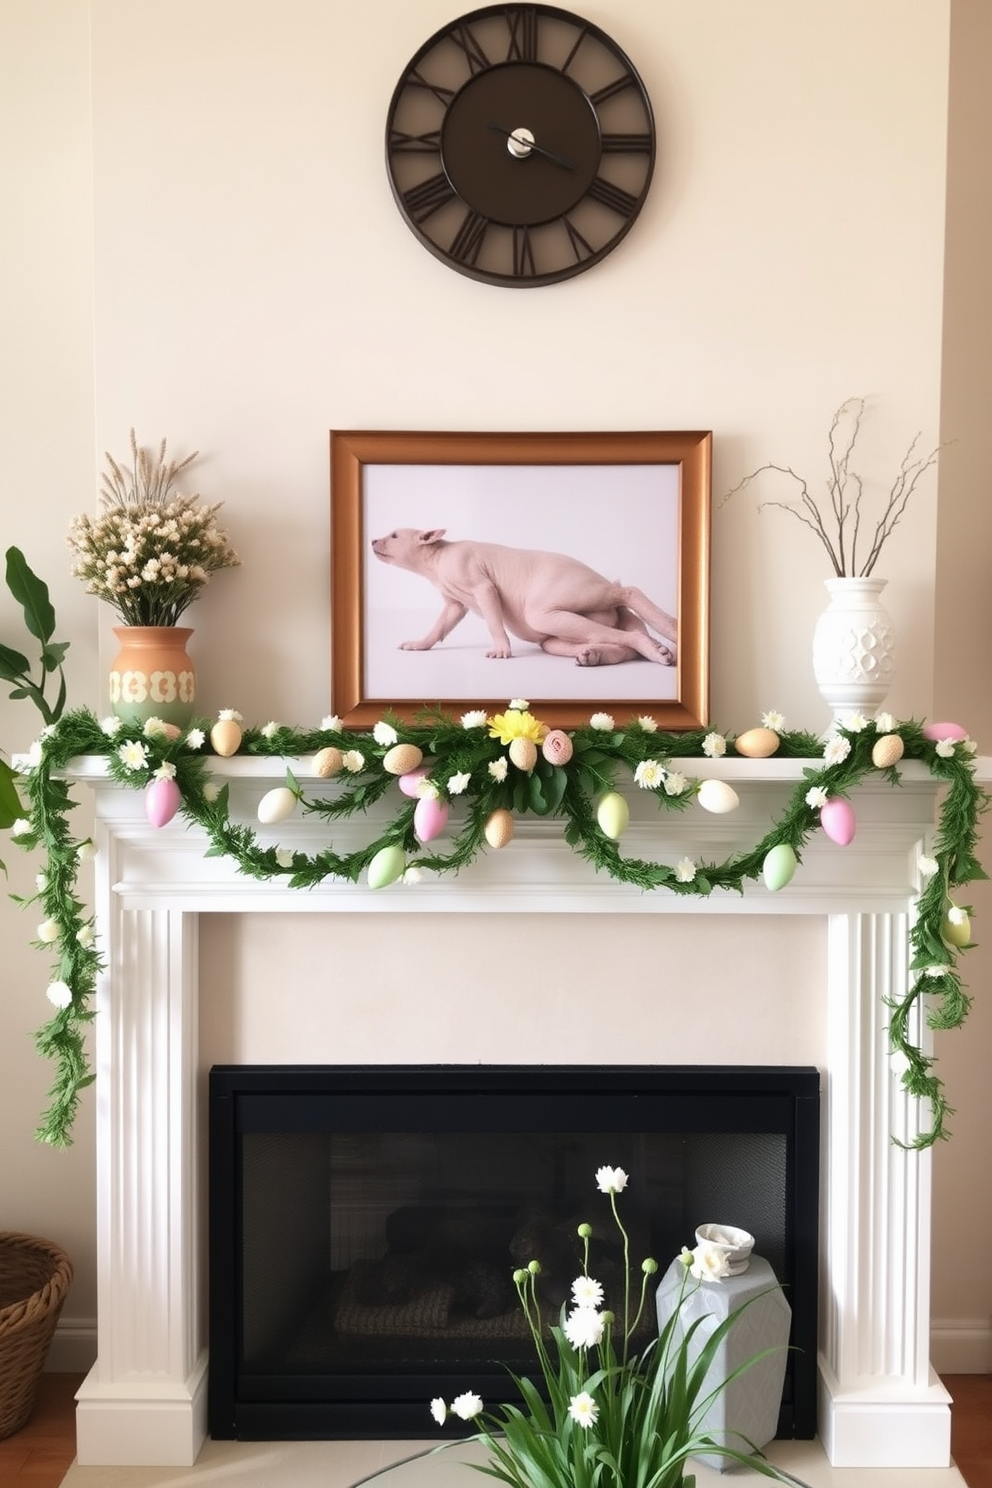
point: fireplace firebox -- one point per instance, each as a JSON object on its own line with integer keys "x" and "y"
{"x": 365, "y": 1222}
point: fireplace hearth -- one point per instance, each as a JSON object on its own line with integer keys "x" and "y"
{"x": 365, "y": 1223}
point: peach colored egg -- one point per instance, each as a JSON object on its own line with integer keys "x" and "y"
{"x": 225, "y": 736}
{"x": 499, "y": 828}
{"x": 327, "y": 762}
{"x": 523, "y": 753}
{"x": 401, "y": 759}
{"x": 757, "y": 743}
{"x": 887, "y": 750}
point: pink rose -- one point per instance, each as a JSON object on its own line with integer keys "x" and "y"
{"x": 557, "y": 747}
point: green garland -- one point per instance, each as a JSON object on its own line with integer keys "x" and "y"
{"x": 468, "y": 759}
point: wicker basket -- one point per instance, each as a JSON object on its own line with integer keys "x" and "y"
{"x": 34, "y": 1280}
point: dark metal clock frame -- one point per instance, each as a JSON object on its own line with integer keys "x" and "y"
{"x": 520, "y": 145}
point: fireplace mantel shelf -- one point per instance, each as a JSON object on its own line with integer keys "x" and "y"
{"x": 144, "y": 1402}
{"x": 537, "y": 871}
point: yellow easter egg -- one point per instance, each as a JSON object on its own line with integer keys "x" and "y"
{"x": 887, "y": 751}
{"x": 386, "y": 867}
{"x": 499, "y": 828}
{"x": 523, "y": 753}
{"x": 757, "y": 743}
{"x": 401, "y": 759}
{"x": 613, "y": 814}
{"x": 778, "y": 867}
{"x": 327, "y": 762}
{"x": 276, "y": 805}
{"x": 225, "y": 736}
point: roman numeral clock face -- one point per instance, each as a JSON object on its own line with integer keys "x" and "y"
{"x": 520, "y": 144}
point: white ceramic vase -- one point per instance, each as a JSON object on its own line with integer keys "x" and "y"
{"x": 854, "y": 648}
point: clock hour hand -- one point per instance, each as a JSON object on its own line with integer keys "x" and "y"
{"x": 521, "y": 142}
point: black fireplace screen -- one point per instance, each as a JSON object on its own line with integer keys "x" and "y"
{"x": 365, "y": 1223}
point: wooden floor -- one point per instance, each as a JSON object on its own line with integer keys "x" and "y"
{"x": 39, "y": 1456}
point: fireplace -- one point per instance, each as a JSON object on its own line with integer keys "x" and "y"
{"x": 145, "y": 1400}
{"x": 365, "y": 1223}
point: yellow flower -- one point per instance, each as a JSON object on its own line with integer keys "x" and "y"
{"x": 516, "y": 725}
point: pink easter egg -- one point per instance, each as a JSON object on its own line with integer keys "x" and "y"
{"x": 838, "y": 820}
{"x": 937, "y": 731}
{"x": 409, "y": 783}
{"x": 429, "y": 818}
{"x": 162, "y": 798}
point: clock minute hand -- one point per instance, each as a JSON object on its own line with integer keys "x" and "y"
{"x": 525, "y": 142}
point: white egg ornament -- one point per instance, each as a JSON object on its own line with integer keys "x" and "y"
{"x": 838, "y": 820}
{"x": 276, "y": 805}
{"x": 162, "y": 801}
{"x": 717, "y": 796}
{"x": 613, "y": 815}
{"x": 779, "y": 867}
{"x": 386, "y": 867}
{"x": 430, "y": 817}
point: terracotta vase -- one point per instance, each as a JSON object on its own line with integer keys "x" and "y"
{"x": 854, "y": 647}
{"x": 152, "y": 676}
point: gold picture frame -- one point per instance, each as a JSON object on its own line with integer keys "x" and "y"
{"x": 632, "y": 507}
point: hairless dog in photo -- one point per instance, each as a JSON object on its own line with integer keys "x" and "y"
{"x": 557, "y": 602}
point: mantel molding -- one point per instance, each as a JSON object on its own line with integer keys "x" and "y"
{"x": 144, "y": 1402}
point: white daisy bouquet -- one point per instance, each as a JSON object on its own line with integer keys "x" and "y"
{"x": 151, "y": 549}
{"x": 610, "y": 1415}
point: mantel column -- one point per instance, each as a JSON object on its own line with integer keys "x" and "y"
{"x": 144, "y": 1401}
{"x": 880, "y": 1403}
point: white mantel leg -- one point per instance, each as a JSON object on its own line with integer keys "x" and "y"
{"x": 880, "y": 1403}
{"x": 144, "y": 1401}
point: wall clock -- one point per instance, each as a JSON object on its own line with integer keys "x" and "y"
{"x": 520, "y": 144}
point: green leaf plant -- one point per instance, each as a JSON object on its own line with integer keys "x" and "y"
{"x": 469, "y": 762}
{"x": 621, "y": 1404}
{"x": 39, "y": 619}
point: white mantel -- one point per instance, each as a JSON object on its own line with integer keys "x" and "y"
{"x": 144, "y": 1402}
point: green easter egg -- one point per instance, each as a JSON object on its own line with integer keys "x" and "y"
{"x": 386, "y": 867}
{"x": 956, "y": 932}
{"x": 778, "y": 867}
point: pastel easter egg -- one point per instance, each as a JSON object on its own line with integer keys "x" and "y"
{"x": 429, "y": 818}
{"x": 498, "y": 830}
{"x": 276, "y": 805}
{"x": 401, "y": 759}
{"x": 955, "y": 928}
{"x": 717, "y": 796}
{"x": 162, "y": 800}
{"x": 557, "y": 747}
{"x": 386, "y": 867}
{"x": 757, "y": 743}
{"x": 887, "y": 750}
{"x": 410, "y": 784}
{"x": 523, "y": 753}
{"x": 327, "y": 762}
{"x": 838, "y": 820}
{"x": 613, "y": 814}
{"x": 225, "y": 736}
{"x": 935, "y": 732}
{"x": 778, "y": 867}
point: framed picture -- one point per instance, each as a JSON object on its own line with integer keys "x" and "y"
{"x": 568, "y": 569}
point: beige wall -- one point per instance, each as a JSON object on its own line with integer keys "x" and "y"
{"x": 206, "y": 248}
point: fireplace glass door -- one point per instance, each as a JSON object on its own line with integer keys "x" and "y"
{"x": 365, "y": 1223}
